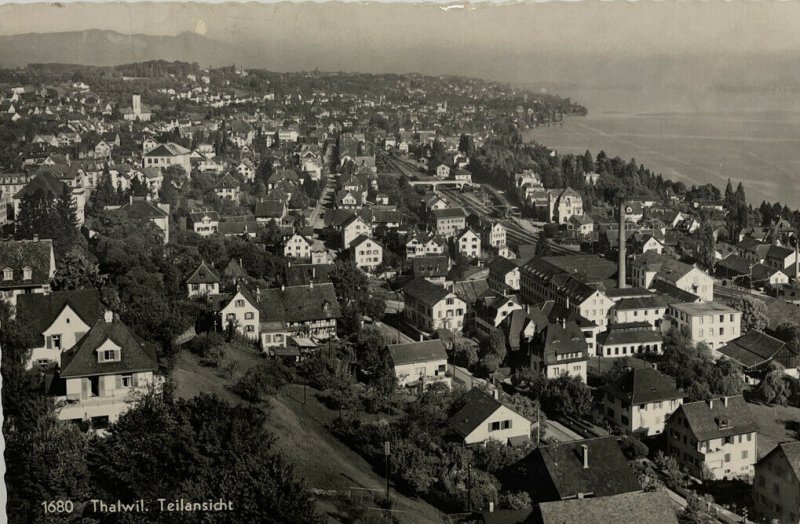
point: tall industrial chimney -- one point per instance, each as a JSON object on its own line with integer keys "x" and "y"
{"x": 621, "y": 265}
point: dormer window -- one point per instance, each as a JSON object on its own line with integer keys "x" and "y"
{"x": 8, "y": 273}
{"x": 27, "y": 273}
{"x": 108, "y": 355}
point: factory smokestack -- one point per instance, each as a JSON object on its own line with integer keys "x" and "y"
{"x": 621, "y": 264}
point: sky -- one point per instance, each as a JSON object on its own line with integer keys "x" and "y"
{"x": 550, "y": 41}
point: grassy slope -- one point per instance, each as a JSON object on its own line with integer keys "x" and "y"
{"x": 324, "y": 461}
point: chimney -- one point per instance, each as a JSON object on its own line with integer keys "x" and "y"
{"x": 567, "y": 303}
{"x": 491, "y": 506}
{"x": 420, "y": 337}
{"x": 36, "y": 237}
{"x": 621, "y": 265}
{"x": 130, "y": 199}
{"x": 283, "y": 287}
{"x": 495, "y": 393}
{"x": 711, "y": 403}
{"x": 585, "y": 449}
{"x": 725, "y": 401}
{"x": 240, "y": 263}
{"x": 258, "y": 294}
{"x": 310, "y": 284}
{"x": 108, "y": 316}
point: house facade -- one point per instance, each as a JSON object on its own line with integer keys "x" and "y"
{"x": 101, "y": 374}
{"x": 714, "y": 439}
{"x": 419, "y": 362}
{"x": 640, "y": 401}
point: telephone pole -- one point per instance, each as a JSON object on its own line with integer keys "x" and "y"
{"x": 386, "y": 451}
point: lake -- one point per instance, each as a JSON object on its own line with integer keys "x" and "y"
{"x": 696, "y": 137}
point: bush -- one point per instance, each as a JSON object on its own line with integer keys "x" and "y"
{"x": 518, "y": 500}
{"x": 633, "y": 448}
{"x": 261, "y": 381}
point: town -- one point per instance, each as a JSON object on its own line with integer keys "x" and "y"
{"x": 344, "y": 297}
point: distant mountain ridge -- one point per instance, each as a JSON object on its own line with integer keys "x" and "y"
{"x": 107, "y": 48}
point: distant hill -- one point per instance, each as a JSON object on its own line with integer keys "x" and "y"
{"x": 106, "y": 48}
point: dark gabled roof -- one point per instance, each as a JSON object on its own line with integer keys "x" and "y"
{"x": 560, "y": 468}
{"x": 669, "y": 290}
{"x": 425, "y": 292}
{"x": 303, "y": 274}
{"x": 198, "y": 217}
{"x": 561, "y": 340}
{"x": 706, "y": 422}
{"x": 735, "y": 264}
{"x": 626, "y": 508}
{"x": 81, "y": 360}
{"x": 791, "y": 453}
{"x": 474, "y": 407}
{"x": 627, "y": 292}
{"x": 203, "y": 275}
{"x": 779, "y": 252}
{"x": 471, "y": 290}
{"x": 430, "y": 266}
{"x": 629, "y": 333}
{"x": 411, "y": 352}
{"x": 42, "y": 310}
{"x": 593, "y": 267}
{"x": 270, "y": 208}
{"x": 45, "y": 181}
{"x": 450, "y": 212}
{"x": 667, "y": 268}
{"x": 169, "y": 149}
{"x": 19, "y": 254}
{"x": 142, "y": 208}
{"x": 227, "y": 182}
{"x": 651, "y": 302}
{"x": 299, "y": 303}
{"x": 643, "y": 385}
{"x": 502, "y": 266}
{"x": 754, "y": 348}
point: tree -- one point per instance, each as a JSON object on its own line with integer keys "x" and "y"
{"x": 77, "y": 271}
{"x": 567, "y": 395}
{"x": 543, "y": 247}
{"x": 633, "y": 448}
{"x": 199, "y": 449}
{"x": 774, "y": 388}
{"x": 67, "y": 209}
{"x": 350, "y": 282}
{"x": 754, "y": 312}
{"x": 495, "y": 344}
{"x": 104, "y": 194}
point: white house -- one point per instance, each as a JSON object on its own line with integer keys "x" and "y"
{"x": 367, "y": 254}
{"x": 481, "y": 417}
{"x": 416, "y": 362}
{"x": 103, "y": 372}
{"x": 59, "y": 320}
{"x": 468, "y": 243}
{"x": 298, "y": 246}
{"x": 640, "y": 401}
{"x": 202, "y": 282}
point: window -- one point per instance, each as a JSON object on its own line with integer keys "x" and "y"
{"x": 56, "y": 341}
{"x": 727, "y": 457}
{"x": 249, "y": 315}
{"x": 744, "y": 454}
{"x": 27, "y": 273}
{"x": 249, "y": 328}
{"x": 8, "y": 273}
{"x": 127, "y": 381}
{"x": 239, "y": 303}
{"x": 506, "y": 424}
{"x": 494, "y": 426}
{"x": 109, "y": 355}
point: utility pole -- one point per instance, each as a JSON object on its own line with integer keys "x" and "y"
{"x": 386, "y": 451}
{"x": 469, "y": 488}
{"x": 538, "y": 423}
